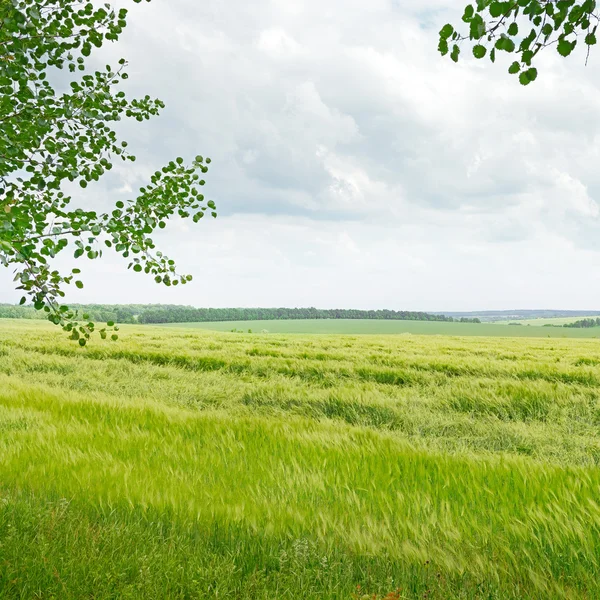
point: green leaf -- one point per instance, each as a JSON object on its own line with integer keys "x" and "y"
{"x": 505, "y": 43}
{"x": 527, "y": 57}
{"x": 468, "y": 14}
{"x": 532, "y": 73}
{"x": 513, "y": 29}
{"x": 479, "y": 51}
{"x": 526, "y": 77}
{"x": 455, "y": 53}
{"x": 477, "y": 27}
{"x": 590, "y": 39}
{"x": 564, "y": 47}
{"x": 514, "y": 68}
{"x": 79, "y": 285}
{"x": 496, "y": 9}
{"x": 575, "y": 14}
{"x": 589, "y": 6}
{"x": 446, "y": 31}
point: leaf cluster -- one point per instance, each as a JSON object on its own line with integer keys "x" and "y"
{"x": 523, "y": 28}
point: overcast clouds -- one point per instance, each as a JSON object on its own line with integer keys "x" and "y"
{"x": 353, "y": 166}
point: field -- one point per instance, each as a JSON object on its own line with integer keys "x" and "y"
{"x": 559, "y": 321}
{"x": 182, "y": 463}
{"x": 374, "y": 327}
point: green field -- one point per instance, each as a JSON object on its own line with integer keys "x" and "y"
{"x": 559, "y": 321}
{"x": 181, "y": 463}
{"x": 375, "y": 327}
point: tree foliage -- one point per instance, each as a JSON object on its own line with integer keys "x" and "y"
{"x": 523, "y": 28}
{"x": 56, "y": 136}
{"x": 584, "y": 323}
{"x": 169, "y": 313}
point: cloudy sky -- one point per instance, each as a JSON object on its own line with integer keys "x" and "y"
{"x": 354, "y": 167}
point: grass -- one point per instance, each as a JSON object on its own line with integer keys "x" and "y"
{"x": 195, "y": 464}
{"x": 379, "y": 327}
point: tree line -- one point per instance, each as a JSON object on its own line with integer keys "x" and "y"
{"x": 580, "y": 324}
{"x": 187, "y": 315}
{"x": 119, "y": 313}
{"x": 154, "y": 314}
{"x": 584, "y": 323}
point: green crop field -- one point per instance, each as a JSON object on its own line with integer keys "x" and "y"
{"x": 377, "y": 327}
{"x": 182, "y": 463}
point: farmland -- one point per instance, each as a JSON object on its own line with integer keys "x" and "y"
{"x": 184, "y": 463}
{"x": 558, "y": 321}
{"x": 379, "y": 327}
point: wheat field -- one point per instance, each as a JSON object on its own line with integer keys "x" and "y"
{"x": 196, "y": 464}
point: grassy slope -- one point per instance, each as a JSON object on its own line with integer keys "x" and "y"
{"x": 375, "y": 327}
{"x": 188, "y": 464}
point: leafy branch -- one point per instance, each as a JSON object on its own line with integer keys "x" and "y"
{"x": 49, "y": 139}
{"x": 523, "y": 28}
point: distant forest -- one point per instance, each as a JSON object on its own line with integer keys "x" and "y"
{"x": 489, "y": 316}
{"x": 161, "y": 313}
{"x": 584, "y": 323}
{"x": 122, "y": 313}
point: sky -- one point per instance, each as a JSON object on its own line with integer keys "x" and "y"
{"x": 354, "y": 167}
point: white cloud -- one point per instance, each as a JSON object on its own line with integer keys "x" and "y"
{"x": 278, "y": 44}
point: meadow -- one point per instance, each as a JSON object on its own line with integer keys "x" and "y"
{"x": 183, "y": 463}
{"x": 381, "y": 327}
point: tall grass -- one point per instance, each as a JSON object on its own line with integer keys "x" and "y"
{"x": 200, "y": 465}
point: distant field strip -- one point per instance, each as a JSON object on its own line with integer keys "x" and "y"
{"x": 377, "y": 327}
{"x": 558, "y": 321}
{"x": 181, "y": 463}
